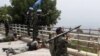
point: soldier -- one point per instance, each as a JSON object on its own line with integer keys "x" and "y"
{"x": 6, "y": 23}
{"x": 33, "y": 45}
{"x": 61, "y": 44}
{"x": 58, "y": 47}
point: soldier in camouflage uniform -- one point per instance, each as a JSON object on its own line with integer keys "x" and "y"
{"x": 58, "y": 47}
{"x": 6, "y": 23}
{"x": 60, "y": 44}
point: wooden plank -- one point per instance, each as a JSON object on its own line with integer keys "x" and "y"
{"x": 86, "y": 41}
{"x": 80, "y": 53}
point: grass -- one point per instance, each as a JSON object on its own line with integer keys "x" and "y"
{"x": 83, "y": 46}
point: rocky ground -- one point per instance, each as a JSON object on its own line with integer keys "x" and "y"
{"x": 14, "y": 45}
{"x": 18, "y": 45}
{"x": 40, "y": 52}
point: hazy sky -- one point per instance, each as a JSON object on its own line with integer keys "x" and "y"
{"x": 77, "y": 12}
{"x": 3, "y": 2}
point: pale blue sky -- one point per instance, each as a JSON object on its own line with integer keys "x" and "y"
{"x": 76, "y": 12}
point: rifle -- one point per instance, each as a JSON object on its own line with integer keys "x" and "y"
{"x": 63, "y": 34}
{"x": 8, "y": 51}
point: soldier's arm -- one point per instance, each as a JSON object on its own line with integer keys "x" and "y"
{"x": 66, "y": 42}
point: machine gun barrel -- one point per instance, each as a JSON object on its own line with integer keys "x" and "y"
{"x": 63, "y": 33}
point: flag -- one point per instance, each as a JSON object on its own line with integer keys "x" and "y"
{"x": 36, "y": 4}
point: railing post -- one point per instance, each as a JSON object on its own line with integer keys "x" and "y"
{"x": 98, "y": 51}
{"x": 98, "y": 47}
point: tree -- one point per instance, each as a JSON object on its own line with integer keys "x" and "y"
{"x": 4, "y": 14}
{"x": 20, "y": 7}
{"x": 5, "y": 18}
{"x": 49, "y": 6}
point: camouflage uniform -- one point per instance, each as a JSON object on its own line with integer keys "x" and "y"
{"x": 58, "y": 46}
{"x": 6, "y": 27}
{"x": 61, "y": 47}
{"x": 51, "y": 47}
